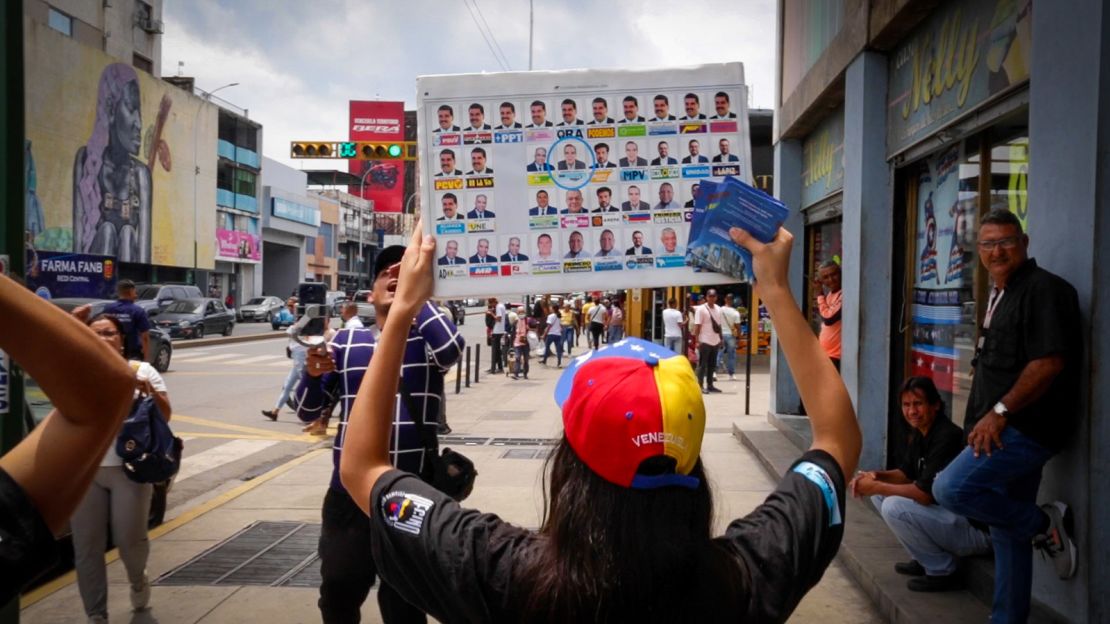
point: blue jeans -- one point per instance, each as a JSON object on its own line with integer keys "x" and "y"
{"x": 568, "y": 338}
{"x": 674, "y": 343}
{"x": 1000, "y": 490}
{"x": 299, "y": 357}
{"x": 616, "y": 332}
{"x": 727, "y": 357}
{"x": 557, "y": 340}
{"x": 935, "y": 537}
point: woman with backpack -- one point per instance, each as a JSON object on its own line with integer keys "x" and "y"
{"x": 114, "y": 500}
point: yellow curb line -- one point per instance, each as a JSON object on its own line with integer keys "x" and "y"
{"x": 61, "y": 582}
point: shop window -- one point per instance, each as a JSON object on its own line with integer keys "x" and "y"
{"x": 244, "y": 182}
{"x": 823, "y": 243}
{"x": 310, "y": 245}
{"x": 1010, "y": 177}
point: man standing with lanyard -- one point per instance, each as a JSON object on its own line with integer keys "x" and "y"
{"x": 707, "y": 328}
{"x": 1022, "y": 410}
{"x": 335, "y": 373}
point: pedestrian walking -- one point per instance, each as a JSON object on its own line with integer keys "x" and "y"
{"x": 553, "y": 335}
{"x": 707, "y": 328}
{"x": 596, "y": 316}
{"x": 336, "y": 372}
{"x": 134, "y": 320}
{"x": 1022, "y": 409}
{"x": 497, "y": 335}
{"x": 521, "y": 350}
{"x": 44, "y": 477}
{"x": 566, "y": 319}
{"x": 673, "y": 320}
{"x": 296, "y": 352}
{"x": 115, "y": 502}
{"x": 730, "y": 329}
{"x": 627, "y": 528}
{"x": 615, "y": 328}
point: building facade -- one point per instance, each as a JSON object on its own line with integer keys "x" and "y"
{"x": 128, "y": 30}
{"x": 290, "y": 217}
{"x": 356, "y": 239}
{"x": 898, "y": 125}
{"x": 238, "y": 220}
{"x": 321, "y": 262}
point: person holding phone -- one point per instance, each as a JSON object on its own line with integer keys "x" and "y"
{"x": 335, "y": 372}
{"x": 627, "y": 528}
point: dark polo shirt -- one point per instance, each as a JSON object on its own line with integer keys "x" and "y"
{"x": 1038, "y": 316}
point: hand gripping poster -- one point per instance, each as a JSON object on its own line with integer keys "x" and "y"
{"x": 574, "y": 180}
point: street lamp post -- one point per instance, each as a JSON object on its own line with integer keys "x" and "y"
{"x": 196, "y": 169}
{"x": 361, "y": 184}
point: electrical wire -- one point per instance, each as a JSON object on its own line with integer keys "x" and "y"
{"x": 491, "y": 35}
{"x": 483, "y": 33}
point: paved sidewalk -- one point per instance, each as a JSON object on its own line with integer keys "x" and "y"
{"x": 509, "y": 484}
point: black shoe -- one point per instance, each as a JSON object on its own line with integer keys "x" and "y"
{"x": 714, "y": 389}
{"x": 443, "y": 430}
{"x": 929, "y": 583}
{"x": 271, "y": 414}
{"x": 909, "y": 568}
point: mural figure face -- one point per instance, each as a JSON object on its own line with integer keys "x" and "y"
{"x": 127, "y": 120}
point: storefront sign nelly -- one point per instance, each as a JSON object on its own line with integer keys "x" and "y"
{"x": 954, "y": 55}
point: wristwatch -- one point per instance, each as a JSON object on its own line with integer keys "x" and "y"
{"x": 1000, "y": 407}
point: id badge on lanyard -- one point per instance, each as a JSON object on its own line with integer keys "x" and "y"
{"x": 992, "y": 304}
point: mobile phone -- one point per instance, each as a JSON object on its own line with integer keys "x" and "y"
{"x": 311, "y": 294}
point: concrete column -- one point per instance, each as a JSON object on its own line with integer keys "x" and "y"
{"x": 788, "y": 189}
{"x": 867, "y": 266}
{"x": 1069, "y": 184}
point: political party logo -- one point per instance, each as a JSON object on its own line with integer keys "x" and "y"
{"x": 546, "y": 268}
{"x": 692, "y": 128}
{"x": 405, "y": 512}
{"x": 447, "y": 139}
{"x": 481, "y": 225}
{"x": 601, "y": 175}
{"x": 670, "y": 262}
{"x": 634, "y": 175}
{"x": 639, "y": 262}
{"x": 665, "y": 173}
{"x": 722, "y": 126}
{"x": 540, "y": 134}
{"x": 608, "y": 264}
{"x": 669, "y": 216}
{"x": 479, "y": 183}
{"x": 483, "y": 270}
{"x": 569, "y": 132}
{"x": 637, "y": 217}
{"x": 514, "y": 268}
{"x": 539, "y": 179}
{"x": 577, "y": 266}
{"x": 451, "y": 227}
{"x": 576, "y": 221}
{"x": 477, "y": 138}
{"x": 455, "y": 270}
{"x": 604, "y": 132}
{"x": 543, "y": 223}
{"x": 450, "y": 184}
{"x": 696, "y": 171}
{"x": 508, "y": 137}
{"x": 632, "y": 130}
{"x": 726, "y": 170}
{"x": 663, "y": 129}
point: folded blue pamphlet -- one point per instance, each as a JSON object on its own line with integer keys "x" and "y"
{"x": 720, "y": 206}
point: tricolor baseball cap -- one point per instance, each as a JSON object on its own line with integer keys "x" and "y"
{"x": 630, "y": 402}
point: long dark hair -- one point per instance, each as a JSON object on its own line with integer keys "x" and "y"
{"x": 928, "y": 389}
{"x": 611, "y": 553}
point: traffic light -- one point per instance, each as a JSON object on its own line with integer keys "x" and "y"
{"x": 355, "y": 150}
{"x": 313, "y": 149}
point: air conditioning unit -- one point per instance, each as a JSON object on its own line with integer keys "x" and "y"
{"x": 152, "y": 26}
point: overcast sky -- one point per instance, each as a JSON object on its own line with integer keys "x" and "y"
{"x": 298, "y": 63}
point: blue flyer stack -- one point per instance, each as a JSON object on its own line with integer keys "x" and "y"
{"x": 723, "y": 205}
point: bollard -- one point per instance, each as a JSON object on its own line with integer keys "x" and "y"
{"x": 753, "y": 314}
{"x": 458, "y": 376}
{"x": 477, "y": 361}
{"x": 467, "y": 366}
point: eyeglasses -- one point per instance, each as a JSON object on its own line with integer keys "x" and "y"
{"x": 1006, "y": 243}
{"x": 106, "y": 333}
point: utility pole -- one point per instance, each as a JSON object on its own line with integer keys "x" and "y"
{"x": 531, "y": 30}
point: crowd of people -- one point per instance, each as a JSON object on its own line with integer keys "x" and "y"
{"x": 626, "y": 472}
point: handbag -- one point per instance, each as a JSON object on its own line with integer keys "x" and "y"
{"x": 448, "y": 471}
{"x": 148, "y": 448}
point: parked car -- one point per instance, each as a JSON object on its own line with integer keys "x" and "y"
{"x": 471, "y": 302}
{"x": 161, "y": 349}
{"x": 155, "y": 297}
{"x": 335, "y": 300}
{"x": 194, "y": 318}
{"x": 457, "y": 312}
{"x": 362, "y": 296}
{"x": 260, "y": 309}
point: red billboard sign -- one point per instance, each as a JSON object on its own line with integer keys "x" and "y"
{"x": 385, "y": 179}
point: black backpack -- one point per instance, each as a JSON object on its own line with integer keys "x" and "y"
{"x": 150, "y": 451}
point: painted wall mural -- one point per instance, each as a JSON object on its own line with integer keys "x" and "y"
{"x": 113, "y": 152}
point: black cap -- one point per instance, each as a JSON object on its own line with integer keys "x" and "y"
{"x": 386, "y": 258}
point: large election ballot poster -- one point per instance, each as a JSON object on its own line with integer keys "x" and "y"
{"x": 574, "y": 180}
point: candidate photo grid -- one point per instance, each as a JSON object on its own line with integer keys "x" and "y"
{"x": 661, "y": 107}
{"x": 664, "y": 195}
{"x": 604, "y": 154}
{"x": 448, "y": 163}
{"x": 479, "y": 161}
{"x": 692, "y": 148}
{"x": 477, "y": 116}
{"x": 632, "y": 153}
{"x": 508, "y": 116}
{"x": 693, "y": 106}
{"x": 536, "y": 153}
{"x": 689, "y": 194}
{"x": 570, "y": 114}
{"x": 636, "y": 197}
{"x": 606, "y": 242}
{"x": 481, "y": 249}
{"x": 603, "y": 198}
{"x": 631, "y": 110}
{"x": 513, "y": 248}
{"x": 601, "y": 112}
{"x": 544, "y": 201}
{"x": 578, "y": 244}
{"x": 725, "y": 149}
{"x": 575, "y": 201}
{"x": 671, "y": 239}
{"x": 444, "y": 118}
{"x": 539, "y": 114}
{"x": 480, "y": 205}
{"x": 662, "y": 150}
{"x": 449, "y": 206}
{"x": 638, "y": 240}
{"x": 451, "y": 251}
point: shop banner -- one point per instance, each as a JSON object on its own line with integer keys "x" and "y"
{"x": 965, "y": 54}
{"x": 944, "y": 306}
{"x": 238, "y": 246}
{"x": 823, "y": 159}
{"x": 385, "y": 179}
{"x": 58, "y": 274}
{"x": 586, "y": 183}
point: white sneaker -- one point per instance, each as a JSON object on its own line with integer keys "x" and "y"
{"x": 731, "y": 377}
{"x": 140, "y": 597}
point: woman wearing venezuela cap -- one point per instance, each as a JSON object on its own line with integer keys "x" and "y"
{"x": 627, "y": 529}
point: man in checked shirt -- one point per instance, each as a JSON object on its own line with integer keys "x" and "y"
{"x": 334, "y": 374}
